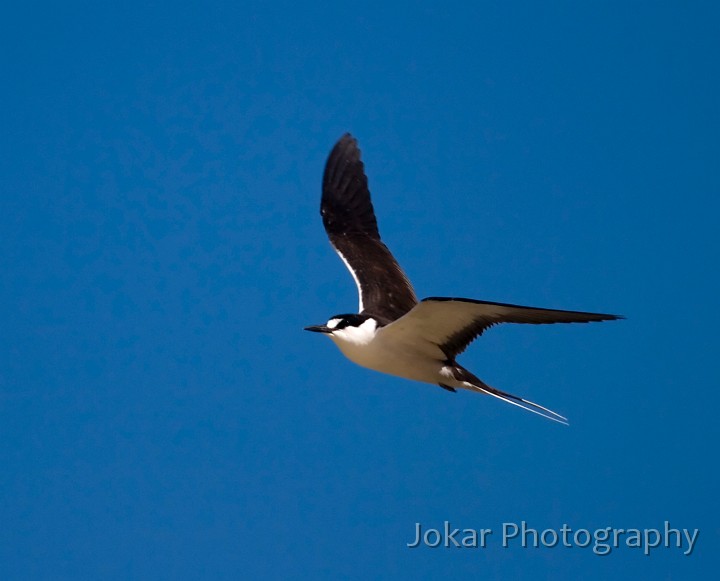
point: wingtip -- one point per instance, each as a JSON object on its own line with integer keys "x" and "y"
{"x": 609, "y": 317}
{"x": 346, "y": 138}
{"x": 345, "y": 151}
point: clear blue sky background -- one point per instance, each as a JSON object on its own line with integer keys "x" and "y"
{"x": 162, "y": 413}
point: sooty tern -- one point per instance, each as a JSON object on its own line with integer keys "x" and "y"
{"x": 394, "y": 333}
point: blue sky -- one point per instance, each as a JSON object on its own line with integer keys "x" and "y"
{"x": 162, "y": 413}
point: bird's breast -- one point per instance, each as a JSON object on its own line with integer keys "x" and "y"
{"x": 390, "y": 358}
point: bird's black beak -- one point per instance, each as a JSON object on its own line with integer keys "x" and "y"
{"x": 319, "y": 329}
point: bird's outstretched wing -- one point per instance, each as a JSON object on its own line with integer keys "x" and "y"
{"x": 349, "y": 220}
{"x": 451, "y": 324}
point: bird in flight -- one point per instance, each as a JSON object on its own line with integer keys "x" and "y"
{"x": 393, "y": 333}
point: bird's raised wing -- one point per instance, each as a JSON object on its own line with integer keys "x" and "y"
{"x": 452, "y": 324}
{"x": 349, "y": 220}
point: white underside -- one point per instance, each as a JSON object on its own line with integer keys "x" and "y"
{"x": 413, "y": 357}
{"x": 419, "y": 362}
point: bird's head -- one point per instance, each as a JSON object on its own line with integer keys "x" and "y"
{"x": 350, "y": 328}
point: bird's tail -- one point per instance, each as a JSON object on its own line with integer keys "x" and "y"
{"x": 475, "y": 384}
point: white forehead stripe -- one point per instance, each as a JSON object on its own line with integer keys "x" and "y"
{"x": 332, "y": 323}
{"x": 355, "y": 278}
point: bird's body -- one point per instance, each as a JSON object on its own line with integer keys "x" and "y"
{"x": 369, "y": 346}
{"x": 394, "y": 333}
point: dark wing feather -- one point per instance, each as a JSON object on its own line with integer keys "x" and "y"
{"x": 452, "y": 324}
{"x": 349, "y": 220}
